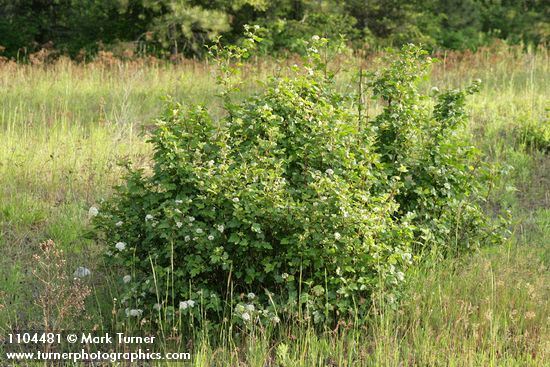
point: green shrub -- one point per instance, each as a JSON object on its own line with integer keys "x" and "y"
{"x": 443, "y": 179}
{"x": 292, "y": 198}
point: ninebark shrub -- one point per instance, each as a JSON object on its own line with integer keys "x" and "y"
{"x": 294, "y": 198}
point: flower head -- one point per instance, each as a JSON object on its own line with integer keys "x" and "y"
{"x": 93, "y": 211}
{"x": 400, "y": 276}
{"x": 148, "y": 217}
{"x": 210, "y": 238}
{"x": 119, "y": 223}
{"x": 179, "y": 224}
{"x": 329, "y": 172}
{"x": 82, "y": 272}
{"x": 245, "y": 316}
{"x": 220, "y": 227}
{"x": 120, "y": 246}
{"x": 135, "y": 312}
{"x": 127, "y": 278}
{"x": 337, "y": 236}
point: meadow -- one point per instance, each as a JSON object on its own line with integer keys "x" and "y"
{"x": 65, "y": 127}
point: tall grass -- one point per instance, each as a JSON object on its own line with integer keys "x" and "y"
{"x": 64, "y": 128}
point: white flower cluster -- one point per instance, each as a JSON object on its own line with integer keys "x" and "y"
{"x": 93, "y": 211}
{"x": 82, "y": 272}
{"x": 187, "y": 304}
{"x": 248, "y": 312}
{"x": 134, "y": 312}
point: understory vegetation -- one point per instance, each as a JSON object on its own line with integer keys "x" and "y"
{"x": 243, "y": 214}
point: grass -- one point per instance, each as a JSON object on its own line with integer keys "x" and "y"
{"x": 64, "y": 127}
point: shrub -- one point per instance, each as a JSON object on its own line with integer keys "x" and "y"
{"x": 291, "y": 198}
{"x": 442, "y": 178}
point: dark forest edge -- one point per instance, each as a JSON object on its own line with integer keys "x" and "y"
{"x": 169, "y": 28}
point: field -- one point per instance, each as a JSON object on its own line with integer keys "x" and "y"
{"x": 64, "y": 127}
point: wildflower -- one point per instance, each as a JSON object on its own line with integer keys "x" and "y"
{"x": 275, "y": 319}
{"x": 179, "y": 224}
{"x": 177, "y": 211}
{"x": 119, "y": 223}
{"x": 400, "y": 276}
{"x": 236, "y": 200}
{"x": 183, "y": 305}
{"x": 315, "y": 38}
{"x": 191, "y": 219}
{"x": 177, "y": 201}
{"x": 157, "y": 307}
{"x": 337, "y": 236}
{"x": 245, "y": 316}
{"x": 250, "y": 307}
{"x": 284, "y": 275}
{"x": 210, "y": 163}
{"x": 127, "y": 278}
{"x": 120, "y": 246}
{"x": 251, "y": 296}
{"x": 210, "y": 238}
{"x": 93, "y": 212}
{"x": 329, "y": 172}
{"x": 407, "y": 257}
{"x": 435, "y": 90}
{"x": 191, "y": 303}
{"x": 198, "y": 230}
{"x": 135, "y": 312}
{"x": 81, "y": 272}
{"x": 220, "y": 228}
{"x": 187, "y": 238}
{"x": 148, "y": 217}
